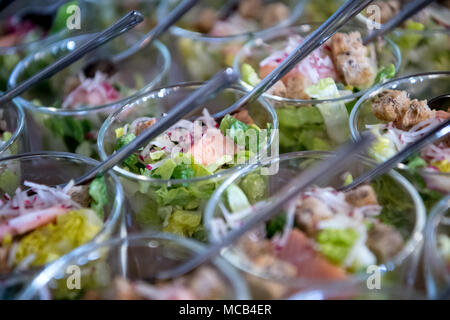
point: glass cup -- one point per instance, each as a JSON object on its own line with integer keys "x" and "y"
{"x": 436, "y": 253}
{"x": 75, "y": 130}
{"x": 405, "y": 211}
{"x": 13, "y": 130}
{"x": 53, "y": 29}
{"x": 302, "y": 126}
{"x": 53, "y": 168}
{"x": 198, "y": 56}
{"x": 135, "y": 258}
{"x": 165, "y": 204}
{"x": 431, "y": 185}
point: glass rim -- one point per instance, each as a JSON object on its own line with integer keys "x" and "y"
{"x": 363, "y": 19}
{"x": 295, "y": 14}
{"x": 113, "y": 218}
{"x": 234, "y": 278}
{"x": 354, "y": 114}
{"x": 19, "y": 129}
{"x": 409, "y": 247}
{"x": 185, "y": 85}
{"x": 29, "y": 105}
{"x": 430, "y": 247}
{"x": 270, "y": 36}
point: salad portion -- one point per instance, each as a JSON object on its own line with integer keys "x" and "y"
{"x": 41, "y": 225}
{"x": 398, "y": 114}
{"x": 311, "y": 99}
{"x": 246, "y": 16}
{"x": 208, "y": 37}
{"x": 189, "y": 151}
{"x": 20, "y": 34}
{"x": 67, "y": 109}
{"x": 170, "y": 178}
{"x": 323, "y": 235}
{"x": 102, "y": 276}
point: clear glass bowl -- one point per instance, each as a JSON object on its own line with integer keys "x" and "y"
{"x": 75, "y": 130}
{"x": 198, "y": 56}
{"x": 137, "y": 257}
{"x": 437, "y": 267}
{"x": 304, "y": 129}
{"x": 11, "y": 55}
{"x": 142, "y": 191}
{"x": 406, "y": 212}
{"x": 423, "y": 50}
{"x": 431, "y": 185}
{"x": 52, "y": 168}
{"x": 16, "y": 131}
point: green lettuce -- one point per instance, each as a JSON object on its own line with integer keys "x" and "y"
{"x": 336, "y": 244}
{"x": 99, "y": 194}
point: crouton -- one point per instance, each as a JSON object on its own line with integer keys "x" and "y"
{"x": 356, "y": 70}
{"x": 384, "y": 241}
{"x": 296, "y": 86}
{"x": 351, "y": 43}
{"x": 273, "y": 14}
{"x": 418, "y": 111}
{"x": 390, "y": 105}
{"x": 278, "y": 89}
{"x": 141, "y": 126}
{"x": 250, "y": 9}
{"x": 361, "y": 196}
{"x": 388, "y": 9}
{"x": 206, "y": 20}
{"x": 310, "y": 212}
{"x": 243, "y": 116}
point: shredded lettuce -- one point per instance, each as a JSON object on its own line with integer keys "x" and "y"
{"x": 335, "y": 114}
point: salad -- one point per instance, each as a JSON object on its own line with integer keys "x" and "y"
{"x": 170, "y": 179}
{"x": 189, "y": 149}
{"x": 67, "y": 110}
{"x": 313, "y": 100}
{"x": 424, "y": 39}
{"x": 323, "y": 235}
{"x": 398, "y": 114}
{"x": 208, "y": 36}
{"x": 19, "y": 35}
{"x": 38, "y": 228}
{"x": 102, "y": 277}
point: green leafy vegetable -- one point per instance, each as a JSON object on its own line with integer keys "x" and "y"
{"x": 276, "y": 225}
{"x": 335, "y": 244}
{"x": 99, "y": 194}
{"x": 385, "y": 73}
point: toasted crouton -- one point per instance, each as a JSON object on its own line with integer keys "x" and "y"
{"x": 390, "y": 105}
{"x": 351, "y": 43}
{"x": 361, "y": 196}
{"x": 273, "y": 14}
{"x": 206, "y": 20}
{"x": 418, "y": 111}
{"x": 250, "y": 9}
{"x": 356, "y": 70}
{"x": 296, "y": 86}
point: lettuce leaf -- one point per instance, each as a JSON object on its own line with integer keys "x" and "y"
{"x": 99, "y": 194}
{"x": 335, "y": 114}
